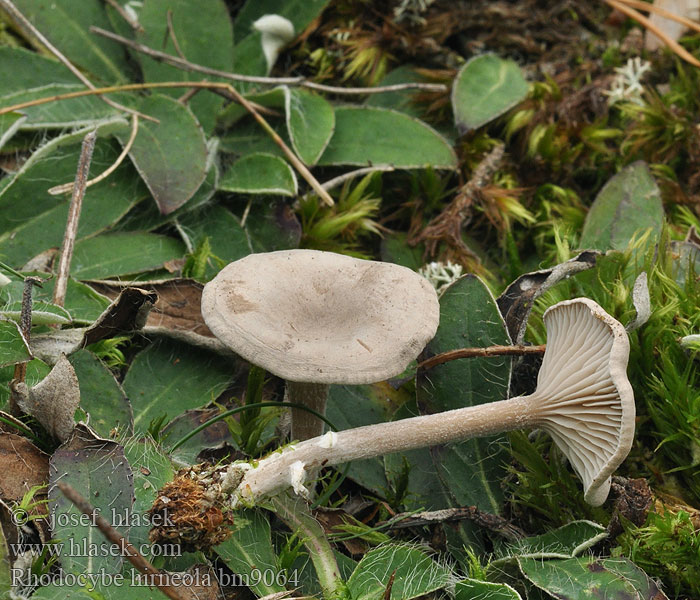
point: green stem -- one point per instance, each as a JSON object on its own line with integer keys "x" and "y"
{"x": 294, "y": 512}
{"x": 239, "y": 409}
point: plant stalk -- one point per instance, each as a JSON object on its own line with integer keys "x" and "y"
{"x": 295, "y": 514}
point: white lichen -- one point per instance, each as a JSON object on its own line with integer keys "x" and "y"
{"x": 328, "y": 440}
{"x": 441, "y": 275}
{"x": 627, "y": 85}
{"x": 411, "y": 11}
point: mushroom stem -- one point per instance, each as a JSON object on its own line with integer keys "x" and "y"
{"x": 314, "y": 395}
{"x": 274, "y": 473}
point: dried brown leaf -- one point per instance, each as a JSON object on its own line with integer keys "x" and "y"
{"x": 53, "y": 401}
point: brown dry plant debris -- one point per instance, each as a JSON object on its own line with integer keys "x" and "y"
{"x": 188, "y": 510}
{"x": 447, "y": 226}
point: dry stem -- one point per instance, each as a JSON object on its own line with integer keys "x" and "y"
{"x": 76, "y": 203}
{"x": 625, "y": 8}
{"x": 444, "y": 357}
{"x": 125, "y": 15}
{"x": 68, "y": 187}
{"x": 25, "y": 326}
{"x": 447, "y": 226}
{"x": 186, "y": 65}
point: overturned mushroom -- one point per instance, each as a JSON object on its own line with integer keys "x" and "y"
{"x": 316, "y": 318}
{"x": 583, "y": 399}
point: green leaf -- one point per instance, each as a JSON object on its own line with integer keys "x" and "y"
{"x": 152, "y": 470}
{"x": 43, "y": 313}
{"x": 97, "y": 469}
{"x": 14, "y": 346}
{"x": 628, "y": 205}
{"x": 10, "y": 124}
{"x": 377, "y": 136}
{"x": 167, "y": 378}
{"x": 204, "y": 35}
{"x": 472, "y": 471}
{"x": 249, "y": 552}
{"x": 260, "y": 174}
{"x": 114, "y": 254}
{"x": 83, "y": 303}
{"x": 472, "y": 589}
{"x": 170, "y": 156}
{"x": 228, "y": 240}
{"x": 310, "y": 122}
{"x": 215, "y": 435}
{"x": 26, "y": 75}
{"x": 60, "y": 591}
{"x": 485, "y": 88}
{"x": 146, "y": 216}
{"x": 69, "y": 30}
{"x": 273, "y": 226}
{"x": 247, "y": 137}
{"x": 272, "y": 98}
{"x": 100, "y": 395}
{"x": 29, "y": 228}
{"x": 590, "y": 577}
{"x": 567, "y": 541}
{"x": 395, "y": 249}
{"x": 415, "y": 574}
{"x": 354, "y": 406}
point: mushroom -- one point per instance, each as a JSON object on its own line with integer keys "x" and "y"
{"x": 316, "y": 318}
{"x": 583, "y": 400}
{"x": 277, "y": 32}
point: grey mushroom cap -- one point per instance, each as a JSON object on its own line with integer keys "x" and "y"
{"x": 584, "y": 399}
{"x": 321, "y": 317}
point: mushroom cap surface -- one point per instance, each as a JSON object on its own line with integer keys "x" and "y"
{"x": 584, "y": 399}
{"x": 313, "y": 316}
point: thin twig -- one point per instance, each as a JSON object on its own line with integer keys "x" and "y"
{"x": 76, "y": 203}
{"x": 246, "y": 211}
{"x": 221, "y": 88}
{"x": 135, "y": 25}
{"x": 15, "y": 13}
{"x": 488, "y": 351}
{"x": 188, "y": 66}
{"x": 336, "y": 181}
{"x": 25, "y": 327}
{"x": 296, "y": 162}
{"x": 447, "y": 226}
{"x": 171, "y": 33}
{"x": 68, "y": 187}
{"x": 295, "y": 81}
{"x": 483, "y": 519}
{"x": 642, "y": 20}
{"x": 380, "y": 89}
{"x": 188, "y": 95}
{"x": 662, "y": 12}
{"x": 141, "y": 563}
{"x": 300, "y": 167}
